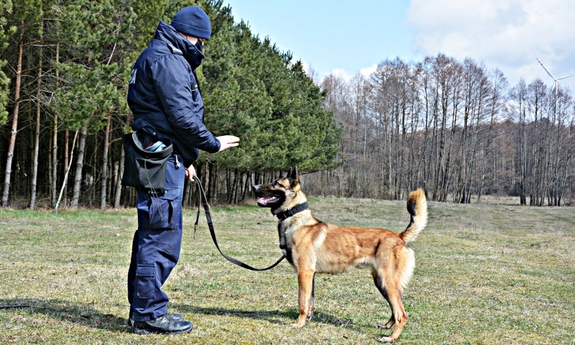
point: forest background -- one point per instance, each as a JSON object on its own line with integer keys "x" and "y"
{"x": 453, "y": 127}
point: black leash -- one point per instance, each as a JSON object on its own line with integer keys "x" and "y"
{"x": 204, "y": 202}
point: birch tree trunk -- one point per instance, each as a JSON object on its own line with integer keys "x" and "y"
{"x": 37, "y": 131}
{"x": 55, "y": 137}
{"x": 14, "y": 131}
{"x": 79, "y": 166}
{"x": 118, "y": 193}
{"x": 105, "y": 163}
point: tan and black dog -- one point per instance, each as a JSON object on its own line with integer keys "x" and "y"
{"x": 312, "y": 246}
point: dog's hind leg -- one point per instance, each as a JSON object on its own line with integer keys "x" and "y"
{"x": 305, "y": 281}
{"x": 392, "y": 291}
{"x": 399, "y": 314}
{"x": 381, "y": 287}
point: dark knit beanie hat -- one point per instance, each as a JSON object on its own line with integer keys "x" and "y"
{"x": 193, "y": 21}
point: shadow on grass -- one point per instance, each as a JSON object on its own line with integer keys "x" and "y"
{"x": 272, "y": 316}
{"x": 87, "y": 315}
{"x": 82, "y": 314}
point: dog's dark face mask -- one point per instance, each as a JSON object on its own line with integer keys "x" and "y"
{"x": 272, "y": 195}
{"x": 279, "y": 192}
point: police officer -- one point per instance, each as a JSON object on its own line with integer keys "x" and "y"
{"x": 167, "y": 105}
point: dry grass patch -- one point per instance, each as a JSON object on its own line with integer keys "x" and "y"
{"x": 486, "y": 274}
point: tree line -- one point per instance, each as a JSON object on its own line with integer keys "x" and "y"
{"x": 65, "y": 67}
{"x": 454, "y": 127}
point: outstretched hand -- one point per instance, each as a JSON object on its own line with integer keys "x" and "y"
{"x": 228, "y": 141}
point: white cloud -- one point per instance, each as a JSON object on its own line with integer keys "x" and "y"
{"x": 341, "y": 73}
{"x": 505, "y": 34}
{"x": 345, "y": 75}
{"x": 367, "y": 71}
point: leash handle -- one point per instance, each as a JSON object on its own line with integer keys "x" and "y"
{"x": 204, "y": 202}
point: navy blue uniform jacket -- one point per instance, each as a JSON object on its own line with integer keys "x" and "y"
{"x": 164, "y": 96}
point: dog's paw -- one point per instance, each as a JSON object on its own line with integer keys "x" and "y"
{"x": 386, "y": 340}
{"x": 309, "y": 316}
{"x": 299, "y": 323}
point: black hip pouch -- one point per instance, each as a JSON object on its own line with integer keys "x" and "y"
{"x": 145, "y": 169}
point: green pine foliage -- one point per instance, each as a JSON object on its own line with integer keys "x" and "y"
{"x": 95, "y": 62}
{"x": 85, "y": 50}
{"x": 254, "y": 91}
{"x": 5, "y": 32}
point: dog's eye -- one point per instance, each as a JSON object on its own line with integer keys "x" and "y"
{"x": 277, "y": 184}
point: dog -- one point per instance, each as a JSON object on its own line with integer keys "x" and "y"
{"x": 312, "y": 246}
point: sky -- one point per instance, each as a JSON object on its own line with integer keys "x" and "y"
{"x": 350, "y": 37}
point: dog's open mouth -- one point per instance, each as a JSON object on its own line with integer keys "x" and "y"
{"x": 267, "y": 200}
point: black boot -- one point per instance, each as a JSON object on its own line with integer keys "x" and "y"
{"x": 164, "y": 324}
{"x": 173, "y": 317}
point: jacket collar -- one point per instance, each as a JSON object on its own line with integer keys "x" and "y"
{"x": 179, "y": 44}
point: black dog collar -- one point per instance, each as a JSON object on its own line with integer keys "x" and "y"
{"x": 292, "y": 211}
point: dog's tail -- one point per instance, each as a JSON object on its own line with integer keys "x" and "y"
{"x": 417, "y": 208}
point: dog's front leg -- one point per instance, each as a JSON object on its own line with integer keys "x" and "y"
{"x": 311, "y": 305}
{"x": 305, "y": 283}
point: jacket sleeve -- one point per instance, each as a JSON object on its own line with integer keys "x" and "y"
{"x": 177, "y": 89}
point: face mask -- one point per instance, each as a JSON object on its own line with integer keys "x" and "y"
{"x": 199, "y": 45}
{"x": 194, "y": 58}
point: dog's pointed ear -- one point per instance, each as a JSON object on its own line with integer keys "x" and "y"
{"x": 293, "y": 174}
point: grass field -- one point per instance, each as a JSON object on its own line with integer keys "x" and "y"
{"x": 486, "y": 274}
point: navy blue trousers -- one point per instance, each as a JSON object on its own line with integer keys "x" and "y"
{"x": 156, "y": 245}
